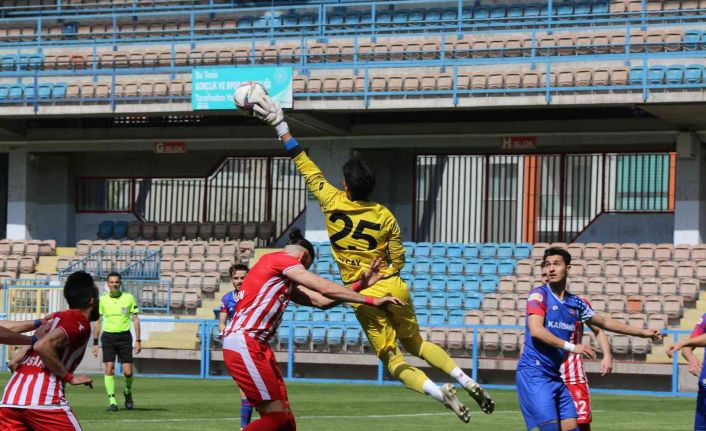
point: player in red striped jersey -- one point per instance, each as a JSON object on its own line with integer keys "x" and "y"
{"x": 271, "y": 283}
{"x": 34, "y": 397}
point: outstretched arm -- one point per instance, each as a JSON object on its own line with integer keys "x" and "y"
{"x": 540, "y": 333}
{"x": 612, "y": 325}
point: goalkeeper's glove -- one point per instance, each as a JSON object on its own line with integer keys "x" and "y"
{"x": 265, "y": 109}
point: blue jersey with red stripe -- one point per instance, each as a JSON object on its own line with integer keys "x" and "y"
{"x": 560, "y": 318}
{"x": 228, "y": 303}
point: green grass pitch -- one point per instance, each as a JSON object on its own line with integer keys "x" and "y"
{"x": 182, "y": 404}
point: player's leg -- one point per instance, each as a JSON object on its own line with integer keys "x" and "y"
{"x": 582, "y": 401}
{"x": 567, "y": 408}
{"x": 125, "y": 357}
{"x": 246, "y": 408}
{"x": 62, "y": 419}
{"x": 109, "y": 354}
{"x": 537, "y": 398}
{"x": 404, "y": 320}
{"x": 700, "y": 416}
{"x": 382, "y": 337}
{"x": 12, "y": 420}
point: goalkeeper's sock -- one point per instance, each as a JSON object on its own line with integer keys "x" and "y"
{"x": 431, "y": 388}
{"x": 273, "y": 421}
{"x": 128, "y": 384}
{"x": 245, "y": 412}
{"x": 110, "y": 388}
{"x": 584, "y": 427}
{"x": 460, "y": 376}
{"x": 436, "y": 357}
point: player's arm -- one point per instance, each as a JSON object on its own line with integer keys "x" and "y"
{"x": 8, "y": 336}
{"x": 96, "y": 337}
{"x": 395, "y": 249}
{"x": 612, "y": 325}
{"x": 21, "y": 326}
{"x": 14, "y": 362}
{"x": 138, "y": 339}
{"x": 222, "y": 317}
{"x": 604, "y": 342}
{"x": 48, "y": 349}
{"x": 541, "y": 333}
{"x": 310, "y": 298}
{"x": 694, "y": 362}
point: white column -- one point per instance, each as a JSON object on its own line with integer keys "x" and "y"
{"x": 19, "y": 207}
{"x": 690, "y": 205}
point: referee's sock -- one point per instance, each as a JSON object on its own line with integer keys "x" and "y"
{"x": 110, "y": 388}
{"x": 128, "y": 383}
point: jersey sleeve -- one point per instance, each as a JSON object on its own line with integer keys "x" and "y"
{"x": 585, "y": 310}
{"x": 700, "y": 327}
{"x": 224, "y": 306}
{"x": 395, "y": 249}
{"x": 101, "y": 309}
{"x": 537, "y": 302}
{"x": 324, "y": 192}
{"x": 133, "y": 306}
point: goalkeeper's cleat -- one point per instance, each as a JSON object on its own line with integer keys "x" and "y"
{"x": 452, "y": 403}
{"x": 128, "y": 401}
{"x": 486, "y": 404}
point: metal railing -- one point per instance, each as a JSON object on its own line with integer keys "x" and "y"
{"x": 134, "y": 264}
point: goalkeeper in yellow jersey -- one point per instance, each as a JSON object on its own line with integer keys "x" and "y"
{"x": 361, "y": 231}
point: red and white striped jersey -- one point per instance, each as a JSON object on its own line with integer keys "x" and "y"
{"x": 263, "y": 297}
{"x": 32, "y": 385}
{"x": 572, "y": 370}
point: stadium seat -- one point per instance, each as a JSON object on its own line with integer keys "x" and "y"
{"x": 472, "y": 267}
{"x": 489, "y": 283}
{"x": 454, "y": 283}
{"x": 105, "y": 229}
{"x": 471, "y": 251}
{"x": 421, "y": 283}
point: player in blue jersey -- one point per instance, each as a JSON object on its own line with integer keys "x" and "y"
{"x": 228, "y": 302}
{"x": 552, "y": 315}
{"x": 696, "y": 339}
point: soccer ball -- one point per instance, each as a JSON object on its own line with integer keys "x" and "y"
{"x": 247, "y": 94}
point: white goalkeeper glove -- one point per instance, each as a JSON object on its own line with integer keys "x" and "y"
{"x": 267, "y": 110}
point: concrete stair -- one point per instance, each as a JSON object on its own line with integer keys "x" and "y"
{"x": 47, "y": 264}
{"x": 691, "y": 316}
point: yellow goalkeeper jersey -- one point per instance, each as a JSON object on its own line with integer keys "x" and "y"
{"x": 359, "y": 231}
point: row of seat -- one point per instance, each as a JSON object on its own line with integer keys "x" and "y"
{"x": 18, "y": 263}
{"x": 176, "y": 298}
{"x": 197, "y": 264}
{"x": 203, "y": 230}
{"x": 188, "y": 248}
{"x": 625, "y": 251}
{"x": 401, "y": 49}
{"x": 451, "y": 301}
{"x": 456, "y": 267}
{"x": 687, "y": 288}
{"x": 469, "y": 250}
{"x": 21, "y": 247}
{"x": 207, "y": 281}
{"x": 626, "y": 268}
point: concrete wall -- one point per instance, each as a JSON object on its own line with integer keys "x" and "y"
{"x": 637, "y": 228}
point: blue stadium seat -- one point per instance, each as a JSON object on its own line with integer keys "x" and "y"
{"x": 335, "y": 315}
{"x": 334, "y": 336}
{"x": 318, "y": 335}
{"x": 352, "y": 336}
{"x": 454, "y": 301}
{"x": 472, "y": 283}
{"x": 489, "y": 249}
{"x": 421, "y": 283}
{"x": 246, "y": 22}
{"x": 322, "y": 267}
{"x": 467, "y": 14}
{"x": 693, "y": 74}
{"x": 416, "y": 17}
{"x": 438, "y": 283}
{"x": 471, "y": 251}
{"x": 691, "y": 40}
{"x": 119, "y": 227}
{"x": 481, "y": 13}
{"x": 438, "y": 249}
{"x": 307, "y": 21}
{"x": 506, "y": 267}
{"x": 422, "y": 266}
{"x": 515, "y": 11}
{"x": 432, "y": 16}
{"x": 4, "y": 91}
{"x": 506, "y": 249}
{"x": 354, "y": 19}
{"x": 422, "y": 249}
{"x": 7, "y": 62}
{"x": 455, "y": 267}
{"x": 420, "y": 300}
{"x": 438, "y": 300}
{"x": 422, "y": 316}
{"x": 383, "y": 18}
{"x": 565, "y": 9}
{"x": 544, "y": 10}
{"x": 637, "y": 75}
{"x": 408, "y": 249}
{"x": 400, "y": 18}
{"x": 35, "y": 61}
{"x": 489, "y": 283}
{"x": 325, "y": 252}
{"x": 472, "y": 300}
{"x": 656, "y": 74}
{"x": 489, "y": 267}
{"x": 457, "y": 317}
{"x": 261, "y": 23}
{"x": 454, "y": 250}
{"x": 283, "y": 333}
{"x": 349, "y": 316}
{"x": 105, "y": 229}
{"x": 302, "y": 315}
{"x": 335, "y": 20}
{"x": 675, "y": 74}
{"x": 406, "y": 272}
{"x": 290, "y": 20}
{"x": 44, "y": 91}
{"x": 318, "y": 316}
{"x": 583, "y": 9}
{"x": 438, "y": 267}
{"x": 523, "y": 250}
{"x": 28, "y": 92}
{"x": 498, "y": 12}
{"x": 472, "y": 267}
{"x": 532, "y": 10}
{"x": 454, "y": 283}
{"x": 288, "y": 315}
{"x": 449, "y": 16}
{"x": 600, "y": 8}
{"x": 301, "y": 334}
{"x": 437, "y": 317}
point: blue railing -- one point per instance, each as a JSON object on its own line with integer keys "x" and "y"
{"x": 134, "y": 264}
{"x": 320, "y": 21}
{"x": 151, "y": 295}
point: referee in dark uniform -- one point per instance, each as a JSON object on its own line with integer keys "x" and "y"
{"x": 117, "y": 308}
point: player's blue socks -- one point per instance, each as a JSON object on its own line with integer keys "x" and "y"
{"x": 551, "y": 426}
{"x": 245, "y": 412}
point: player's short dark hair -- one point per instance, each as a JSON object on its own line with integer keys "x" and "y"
{"x": 297, "y": 238}
{"x": 114, "y": 274}
{"x": 79, "y": 288}
{"x": 238, "y": 267}
{"x": 360, "y": 179}
{"x": 557, "y": 251}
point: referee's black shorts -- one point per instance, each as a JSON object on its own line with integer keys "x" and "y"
{"x": 117, "y": 344}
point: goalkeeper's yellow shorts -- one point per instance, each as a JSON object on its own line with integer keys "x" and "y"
{"x": 384, "y": 326}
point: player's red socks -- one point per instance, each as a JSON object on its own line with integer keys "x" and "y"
{"x": 275, "y": 421}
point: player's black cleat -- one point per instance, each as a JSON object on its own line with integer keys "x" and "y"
{"x": 112, "y": 408}
{"x": 128, "y": 401}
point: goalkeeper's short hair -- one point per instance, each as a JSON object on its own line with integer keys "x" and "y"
{"x": 360, "y": 179}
